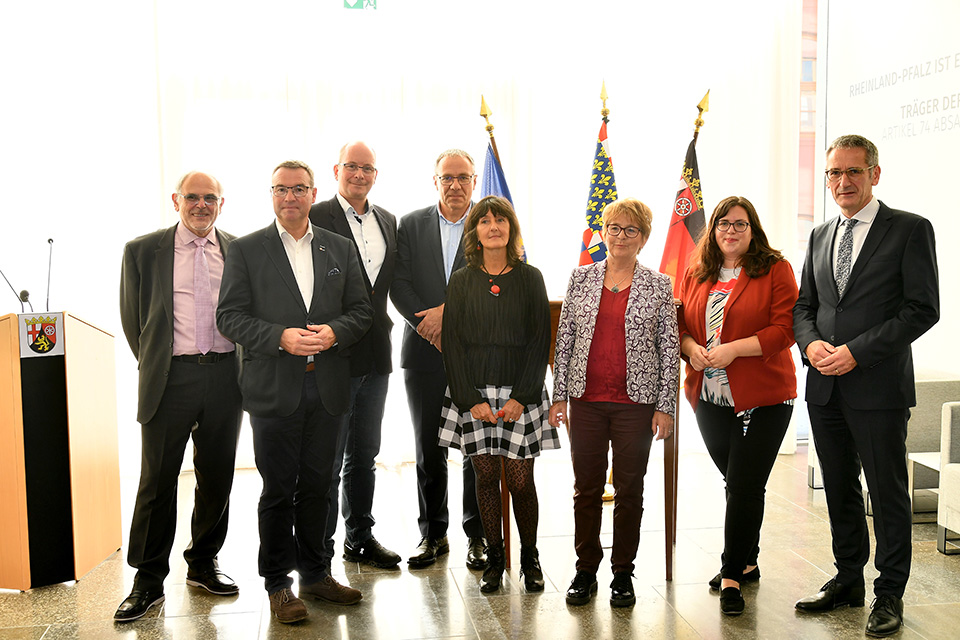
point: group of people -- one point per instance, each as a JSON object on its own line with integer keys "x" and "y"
{"x": 305, "y": 300}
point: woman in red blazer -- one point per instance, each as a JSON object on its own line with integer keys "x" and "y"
{"x": 736, "y": 330}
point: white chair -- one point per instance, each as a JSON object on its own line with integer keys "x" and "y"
{"x": 948, "y": 508}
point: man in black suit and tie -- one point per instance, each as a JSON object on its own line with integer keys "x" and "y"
{"x": 429, "y": 249}
{"x": 869, "y": 288}
{"x": 188, "y": 389}
{"x": 293, "y": 298}
{"x": 373, "y": 231}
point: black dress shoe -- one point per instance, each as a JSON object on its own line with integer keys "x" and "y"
{"x": 621, "y": 590}
{"x": 833, "y": 595}
{"x": 749, "y": 576}
{"x": 731, "y": 602}
{"x": 215, "y": 581}
{"x": 582, "y": 588}
{"x": 428, "y": 551}
{"x": 476, "y": 554}
{"x": 886, "y": 617}
{"x": 373, "y": 553}
{"x": 137, "y": 604}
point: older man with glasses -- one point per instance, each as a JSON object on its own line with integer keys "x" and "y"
{"x": 293, "y": 297}
{"x": 373, "y": 231}
{"x": 429, "y": 249}
{"x": 188, "y": 390}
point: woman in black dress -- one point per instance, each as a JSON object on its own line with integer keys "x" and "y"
{"x": 495, "y": 341}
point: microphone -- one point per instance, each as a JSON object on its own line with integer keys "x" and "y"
{"x": 25, "y": 297}
{"x": 49, "y": 265}
{"x": 14, "y": 290}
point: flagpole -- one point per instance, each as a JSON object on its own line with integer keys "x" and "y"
{"x": 703, "y": 107}
{"x": 504, "y": 492}
{"x": 486, "y": 113}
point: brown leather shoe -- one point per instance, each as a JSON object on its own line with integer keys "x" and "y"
{"x": 330, "y": 590}
{"x": 287, "y": 607}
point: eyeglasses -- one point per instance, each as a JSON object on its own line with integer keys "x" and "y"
{"x": 739, "y": 225}
{"x": 615, "y": 229}
{"x": 280, "y": 191}
{"x": 209, "y": 199}
{"x": 833, "y": 175}
{"x": 448, "y": 180}
{"x": 353, "y": 167}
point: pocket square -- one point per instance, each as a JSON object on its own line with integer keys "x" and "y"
{"x": 333, "y": 272}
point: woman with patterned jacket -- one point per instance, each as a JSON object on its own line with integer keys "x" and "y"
{"x": 617, "y": 359}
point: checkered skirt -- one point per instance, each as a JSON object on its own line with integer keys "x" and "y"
{"x": 525, "y": 438}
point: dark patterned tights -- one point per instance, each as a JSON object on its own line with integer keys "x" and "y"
{"x": 526, "y": 507}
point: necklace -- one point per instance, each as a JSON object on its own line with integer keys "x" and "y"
{"x": 616, "y": 287}
{"x": 494, "y": 287}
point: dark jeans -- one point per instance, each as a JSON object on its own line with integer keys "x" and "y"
{"x": 356, "y": 456}
{"x": 425, "y": 391}
{"x": 745, "y": 462}
{"x": 294, "y": 456}
{"x": 627, "y": 428}
{"x": 847, "y": 438}
{"x": 200, "y": 402}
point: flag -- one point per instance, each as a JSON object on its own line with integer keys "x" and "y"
{"x": 494, "y": 183}
{"x": 686, "y": 222}
{"x": 603, "y": 191}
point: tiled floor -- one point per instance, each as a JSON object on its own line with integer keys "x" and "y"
{"x": 443, "y": 601}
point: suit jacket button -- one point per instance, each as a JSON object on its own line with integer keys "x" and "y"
{"x": 832, "y": 339}
{"x": 839, "y": 309}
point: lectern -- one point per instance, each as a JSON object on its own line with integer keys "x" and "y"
{"x": 59, "y": 467}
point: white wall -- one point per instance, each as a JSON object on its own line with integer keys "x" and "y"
{"x": 885, "y": 61}
{"x": 107, "y": 103}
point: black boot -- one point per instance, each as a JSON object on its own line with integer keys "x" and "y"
{"x": 496, "y": 562}
{"x": 530, "y": 568}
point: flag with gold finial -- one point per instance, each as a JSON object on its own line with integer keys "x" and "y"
{"x": 687, "y": 220}
{"x": 494, "y": 182}
{"x": 603, "y": 190}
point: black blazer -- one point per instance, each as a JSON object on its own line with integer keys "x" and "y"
{"x": 892, "y": 298}
{"x": 259, "y": 298}
{"x": 146, "y": 310}
{"x": 373, "y": 351}
{"x": 419, "y": 283}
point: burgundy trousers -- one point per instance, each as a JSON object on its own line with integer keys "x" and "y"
{"x": 593, "y": 427}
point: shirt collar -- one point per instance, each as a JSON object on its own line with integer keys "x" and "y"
{"x": 283, "y": 232}
{"x": 185, "y": 236}
{"x": 348, "y": 208}
{"x": 867, "y": 214}
{"x": 458, "y": 223}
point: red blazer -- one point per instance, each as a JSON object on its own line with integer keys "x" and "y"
{"x": 757, "y": 306}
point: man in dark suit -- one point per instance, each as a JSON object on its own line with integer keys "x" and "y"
{"x": 373, "y": 231}
{"x": 188, "y": 388}
{"x": 429, "y": 249}
{"x": 293, "y": 298}
{"x": 869, "y": 288}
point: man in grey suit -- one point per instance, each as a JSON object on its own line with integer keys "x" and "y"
{"x": 188, "y": 389}
{"x": 869, "y": 288}
{"x": 429, "y": 249}
{"x": 293, "y": 298}
{"x": 373, "y": 231}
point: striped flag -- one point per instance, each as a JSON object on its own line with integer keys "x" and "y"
{"x": 603, "y": 190}
{"x": 687, "y": 222}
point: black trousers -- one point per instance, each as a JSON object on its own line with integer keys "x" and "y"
{"x": 201, "y": 401}
{"x": 745, "y": 460}
{"x": 425, "y": 391}
{"x": 295, "y": 457}
{"x": 847, "y": 438}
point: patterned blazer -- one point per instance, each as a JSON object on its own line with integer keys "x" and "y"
{"x": 653, "y": 346}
